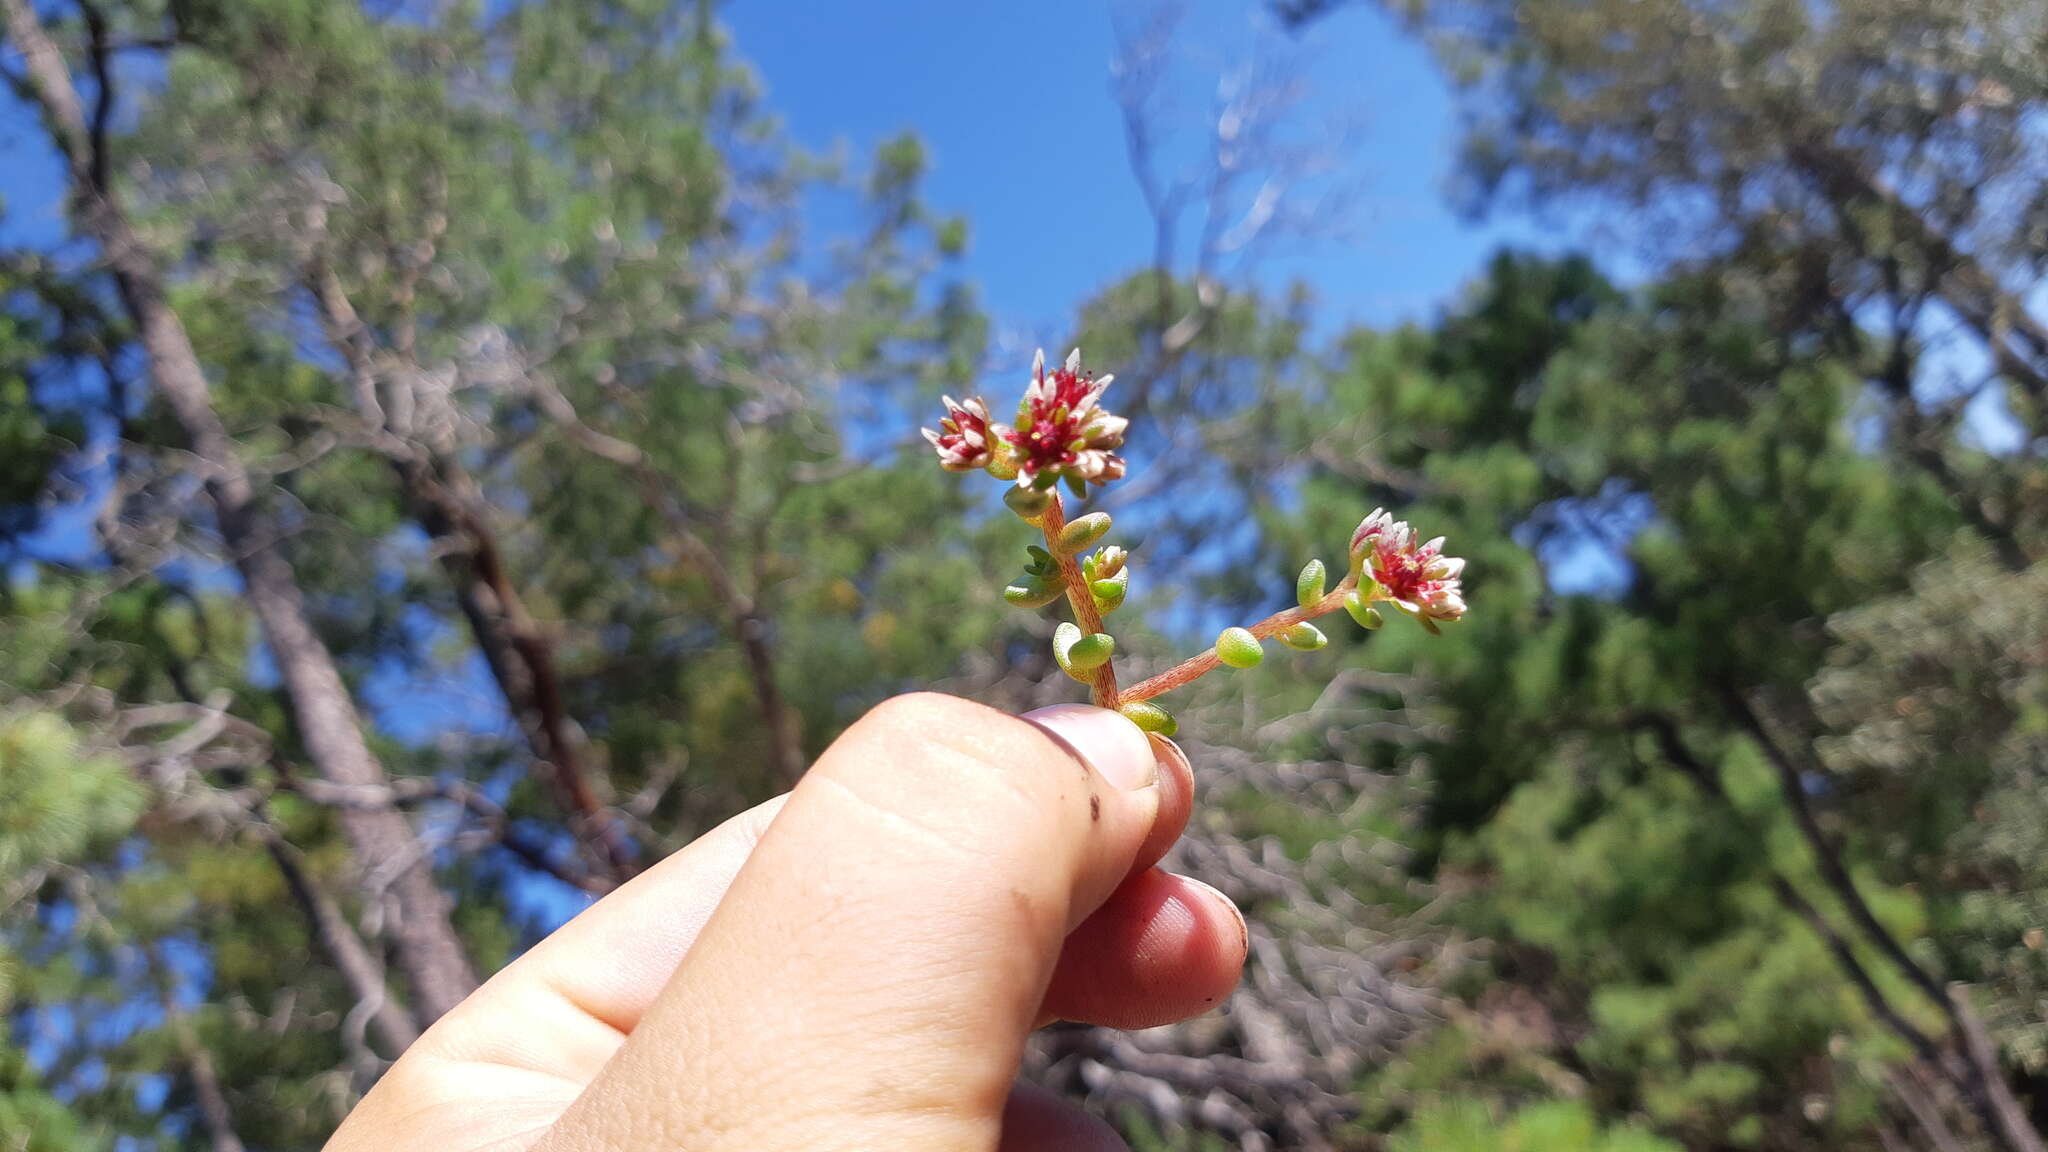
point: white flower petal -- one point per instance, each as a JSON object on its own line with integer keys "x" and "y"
{"x": 1108, "y": 431}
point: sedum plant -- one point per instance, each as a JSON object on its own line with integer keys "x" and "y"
{"x": 1063, "y": 435}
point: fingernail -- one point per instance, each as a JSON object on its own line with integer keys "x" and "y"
{"x": 1165, "y": 750}
{"x": 1116, "y": 748}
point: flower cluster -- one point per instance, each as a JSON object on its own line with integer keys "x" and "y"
{"x": 965, "y": 441}
{"x": 1063, "y": 433}
{"x": 1418, "y": 579}
{"x": 1063, "y": 429}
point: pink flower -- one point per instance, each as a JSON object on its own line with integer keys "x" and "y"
{"x": 1418, "y": 579}
{"x": 966, "y": 439}
{"x": 1062, "y": 429}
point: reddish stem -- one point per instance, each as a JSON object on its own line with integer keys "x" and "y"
{"x": 1052, "y": 520}
{"x": 1195, "y": 667}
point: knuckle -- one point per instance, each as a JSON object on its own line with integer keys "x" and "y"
{"x": 927, "y": 713}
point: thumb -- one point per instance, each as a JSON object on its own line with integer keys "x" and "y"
{"x": 870, "y": 978}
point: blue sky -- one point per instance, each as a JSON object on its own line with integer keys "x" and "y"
{"x": 1014, "y": 103}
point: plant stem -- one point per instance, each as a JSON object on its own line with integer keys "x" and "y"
{"x": 1104, "y": 692}
{"x": 1195, "y": 667}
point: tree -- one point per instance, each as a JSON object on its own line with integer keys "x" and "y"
{"x": 441, "y": 323}
{"x": 325, "y": 715}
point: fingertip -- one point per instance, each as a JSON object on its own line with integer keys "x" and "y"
{"x": 1176, "y": 801}
{"x": 1035, "y": 1120}
{"x": 1163, "y": 948}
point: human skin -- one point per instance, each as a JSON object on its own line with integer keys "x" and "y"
{"x": 854, "y": 965}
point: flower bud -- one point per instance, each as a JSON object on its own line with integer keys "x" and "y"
{"x": 1238, "y": 648}
{"x": 1150, "y": 717}
{"x": 1028, "y": 503}
{"x": 1308, "y": 587}
{"x": 1304, "y": 637}
{"x": 1081, "y": 533}
{"x": 964, "y": 439}
{"x": 1105, "y": 563}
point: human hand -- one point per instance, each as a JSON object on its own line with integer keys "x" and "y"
{"x": 854, "y": 965}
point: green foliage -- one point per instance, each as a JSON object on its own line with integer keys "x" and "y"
{"x": 1463, "y": 1125}
{"x": 56, "y": 799}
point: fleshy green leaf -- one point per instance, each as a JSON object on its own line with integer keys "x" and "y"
{"x": 1078, "y": 654}
{"x": 1308, "y": 587}
{"x": 1085, "y": 531}
{"x": 1238, "y": 648}
{"x": 1304, "y": 637}
{"x": 1150, "y": 717}
{"x": 1028, "y": 503}
{"x": 1035, "y": 592}
{"x": 1361, "y": 610}
{"x": 1091, "y": 652}
{"x": 1109, "y": 595}
{"x": 1064, "y": 638}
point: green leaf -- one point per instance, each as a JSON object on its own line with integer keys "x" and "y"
{"x": 1109, "y": 594}
{"x": 1150, "y": 717}
{"x": 1238, "y": 648}
{"x": 1085, "y": 531}
{"x": 1078, "y": 654}
{"x": 1361, "y": 610}
{"x": 1028, "y": 503}
{"x": 1064, "y": 638}
{"x": 1091, "y": 652}
{"x": 1304, "y": 637}
{"x": 1308, "y": 587}
{"x": 1036, "y": 592}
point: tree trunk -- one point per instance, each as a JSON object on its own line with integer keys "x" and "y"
{"x": 1983, "y": 1080}
{"x": 785, "y": 742}
{"x": 397, "y": 863}
{"x": 445, "y": 502}
{"x": 337, "y": 937}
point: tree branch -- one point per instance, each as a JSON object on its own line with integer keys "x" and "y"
{"x": 428, "y": 948}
